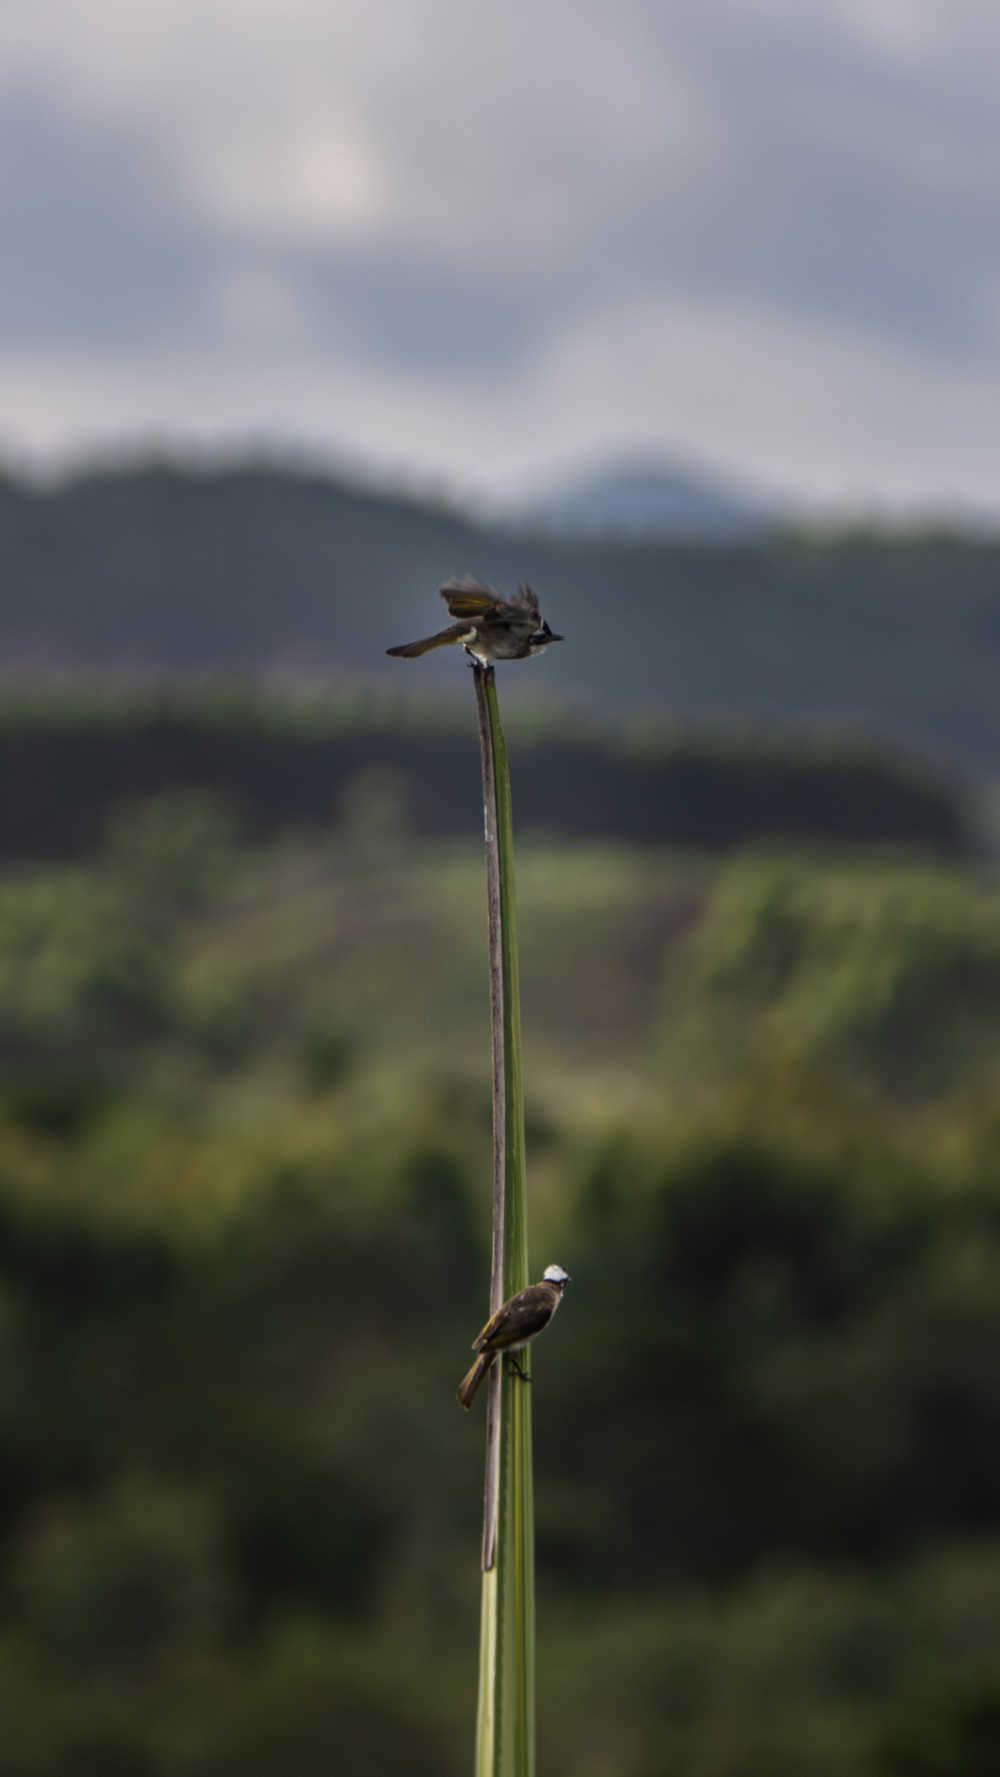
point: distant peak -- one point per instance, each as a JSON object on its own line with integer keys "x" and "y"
{"x": 646, "y": 494}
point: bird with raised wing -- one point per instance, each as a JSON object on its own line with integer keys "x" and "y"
{"x": 518, "y": 1320}
{"x": 488, "y": 627}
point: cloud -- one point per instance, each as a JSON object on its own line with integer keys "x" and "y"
{"x": 447, "y": 206}
{"x": 99, "y": 252}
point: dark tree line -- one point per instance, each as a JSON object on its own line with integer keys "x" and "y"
{"x": 63, "y": 766}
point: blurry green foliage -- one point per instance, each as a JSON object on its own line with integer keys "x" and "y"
{"x": 327, "y": 1051}
{"x": 888, "y": 971}
{"x": 244, "y": 1167}
{"x": 947, "y": 1730}
{"x": 166, "y": 854}
{"x": 124, "y": 1580}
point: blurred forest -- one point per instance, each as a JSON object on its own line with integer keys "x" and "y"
{"x": 272, "y": 568}
{"x": 244, "y": 1165}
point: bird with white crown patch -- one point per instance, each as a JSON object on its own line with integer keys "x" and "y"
{"x": 516, "y": 1322}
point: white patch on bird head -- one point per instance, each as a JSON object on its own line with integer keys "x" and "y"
{"x": 556, "y": 1274}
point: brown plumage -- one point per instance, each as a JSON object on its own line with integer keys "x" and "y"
{"x": 491, "y": 628}
{"x": 513, "y": 1324}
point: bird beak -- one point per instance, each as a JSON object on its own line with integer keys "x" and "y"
{"x": 555, "y": 638}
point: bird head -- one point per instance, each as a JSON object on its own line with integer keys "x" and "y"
{"x": 555, "y": 1274}
{"x": 542, "y": 637}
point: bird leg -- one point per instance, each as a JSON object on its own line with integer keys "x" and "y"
{"x": 513, "y": 1364}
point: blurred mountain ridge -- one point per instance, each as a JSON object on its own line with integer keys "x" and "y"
{"x": 255, "y": 567}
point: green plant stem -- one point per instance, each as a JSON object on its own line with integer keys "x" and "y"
{"x": 505, "y": 1737}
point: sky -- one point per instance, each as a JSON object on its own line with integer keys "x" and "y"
{"x": 467, "y": 244}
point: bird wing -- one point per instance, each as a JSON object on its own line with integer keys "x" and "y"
{"x": 517, "y": 1319}
{"x": 526, "y": 600}
{"x": 492, "y": 1326}
{"x": 468, "y": 598}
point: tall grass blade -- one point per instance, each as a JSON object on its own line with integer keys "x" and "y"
{"x": 505, "y": 1729}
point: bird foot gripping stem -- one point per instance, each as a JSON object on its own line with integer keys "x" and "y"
{"x": 512, "y": 1366}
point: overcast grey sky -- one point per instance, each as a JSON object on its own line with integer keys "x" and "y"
{"x": 470, "y": 241}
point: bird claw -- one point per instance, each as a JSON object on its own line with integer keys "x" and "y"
{"x": 512, "y": 1364}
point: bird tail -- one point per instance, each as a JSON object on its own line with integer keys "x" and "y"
{"x": 472, "y": 1378}
{"x": 456, "y": 632}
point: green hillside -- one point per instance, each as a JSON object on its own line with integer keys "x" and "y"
{"x": 244, "y": 1163}
{"x": 174, "y": 569}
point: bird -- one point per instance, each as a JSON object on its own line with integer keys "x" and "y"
{"x": 490, "y": 628}
{"x": 510, "y": 1328}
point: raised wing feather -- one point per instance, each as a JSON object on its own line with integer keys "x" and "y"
{"x": 468, "y": 597}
